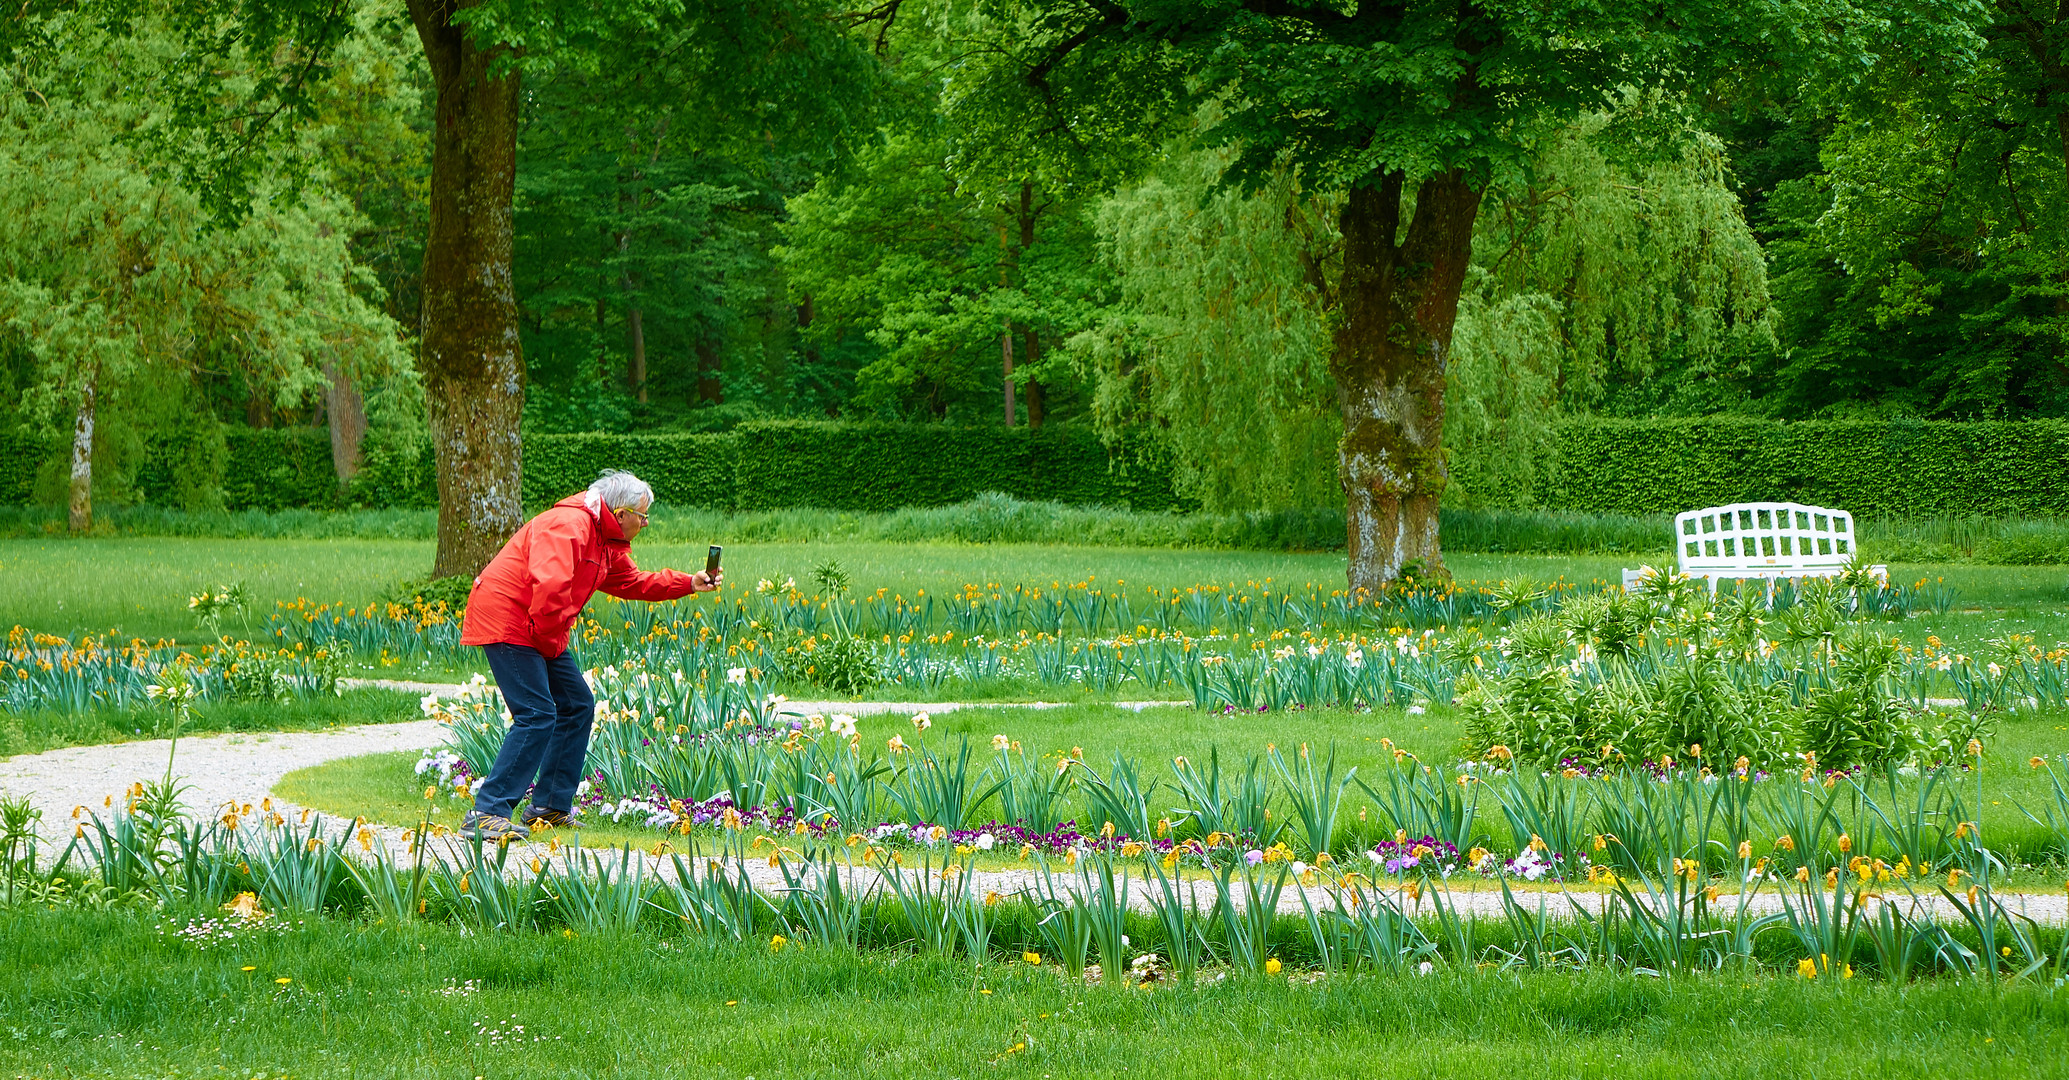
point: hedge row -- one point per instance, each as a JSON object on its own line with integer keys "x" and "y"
{"x": 873, "y": 466}
{"x": 685, "y": 470}
{"x": 761, "y": 466}
{"x": 1875, "y": 469}
{"x": 20, "y": 457}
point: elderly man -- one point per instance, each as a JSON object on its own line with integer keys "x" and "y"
{"x": 520, "y": 612}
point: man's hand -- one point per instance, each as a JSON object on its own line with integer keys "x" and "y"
{"x": 703, "y": 582}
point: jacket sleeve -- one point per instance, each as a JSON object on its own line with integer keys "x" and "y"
{"x": 628, "y": 582}
{"x": 552, "y": 568}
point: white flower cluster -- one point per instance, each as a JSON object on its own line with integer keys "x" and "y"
{"x": 441, "y": 760}
{"x": 475, "y": 696}
{"x": 1530, "y": 866}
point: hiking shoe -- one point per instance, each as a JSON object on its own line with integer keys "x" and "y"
{"x": 535, "y": 818}
{"x": 479, "y": 826}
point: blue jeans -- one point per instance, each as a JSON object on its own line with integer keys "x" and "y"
{"x": 551, "y": 711}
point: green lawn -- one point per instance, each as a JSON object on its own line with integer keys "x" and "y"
{"x": 48, "y": 729}
{"x": 381, "y": 787}
{"x": 113, "y": 994}
{"x": 139, "y": 586}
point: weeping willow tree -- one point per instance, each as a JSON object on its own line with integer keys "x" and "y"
{"x": 1220, "y": 342}
{"x": 1606, "y": 263}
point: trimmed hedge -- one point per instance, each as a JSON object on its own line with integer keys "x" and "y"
{"x": 20, "y": 457}
{"x": 685, "y": 470}
{"x": 278, "y": 469}
{"x": 774, "y": 465}
{"x": 881, "y": 466}
{"x": 1874, "y": 469}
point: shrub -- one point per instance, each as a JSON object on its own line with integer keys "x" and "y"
{"x": 1850, "y": 726}
{"x": 885, "y": 466}
{"x": 452, "y": 591}
{"x": 843, "y": 664}
{"x": 1875, "y": 469}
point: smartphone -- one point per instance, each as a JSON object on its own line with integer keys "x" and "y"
{"x": 711, "y": 559}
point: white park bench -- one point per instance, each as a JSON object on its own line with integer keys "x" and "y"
{"x": 1763, "y": 541}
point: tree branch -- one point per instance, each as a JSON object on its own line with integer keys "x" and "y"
{"x": 1110, "y": 16}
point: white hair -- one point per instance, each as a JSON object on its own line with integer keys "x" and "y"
{"x": 618, "y": 490}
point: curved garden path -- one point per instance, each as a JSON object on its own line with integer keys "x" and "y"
{"x": 242, "y": 768}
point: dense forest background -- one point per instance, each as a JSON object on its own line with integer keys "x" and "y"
{"x": 1896, "y": 249}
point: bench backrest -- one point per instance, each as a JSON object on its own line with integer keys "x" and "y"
{"x": 1769, "y": 536}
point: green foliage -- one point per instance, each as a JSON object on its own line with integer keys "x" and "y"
{"x": 451, "y": 591}
{"x": 883, "y": 466}
{"x": 650, "y": 176}
{"x": 1608, "y": 265}
{"x": 1603, "y": 265}
{"x": 842, "y": 664}
{"x": 1609, "y": 486}
{"x": 1919, "y": 234}
{"x": 122, "y": 289}
{"x": 685, "y": 470}
{"x": 916, "y": 277}
{"x": 1219, "y": 342}
{"x": 1869, "y": 468}
{"x": 275, "y": 468}
{"x": 1584, "y": 688}
{"x": 21, "y": 456}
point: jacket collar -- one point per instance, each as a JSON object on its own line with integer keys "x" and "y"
{"x": 606, "y": 522}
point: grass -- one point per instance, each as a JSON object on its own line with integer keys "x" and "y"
{"x": 381, "y": 787}
{"x": 108, "y": 994}
{"x": 139, "y": 586}
{"x": 997, "y": 518}
{"x": 35, "y": 732}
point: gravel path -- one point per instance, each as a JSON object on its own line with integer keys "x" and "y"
{"x": 242, "y": 768}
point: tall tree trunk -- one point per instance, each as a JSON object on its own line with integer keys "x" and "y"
{"x": 1399, "y": 301}
{"x": 1007, "y": 263}
{"x": 635, "y": 324}
{"x": 1006, "y": 353}
{"x": 710, "y": 387}
{"x": 1026, "y": 216}
{"x": 346, "y": 408}
{"x": 637, "y": 373}
{"x": 472, "y": 361}
{"x": 1034, "y": 389}
{"x": 82, "y": 460}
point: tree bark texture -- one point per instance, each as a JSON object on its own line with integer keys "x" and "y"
{"x": 81, "y": 502}
{"x": 1006, "y": 360}
{"x": 471, "y": 359}
{"x": 637, "y": 375}
{"x": 346, "y": 408}
{"x": 1035, "y": 403}
{"x": 1399, "y": 301}
{"x": 711, "y": 384}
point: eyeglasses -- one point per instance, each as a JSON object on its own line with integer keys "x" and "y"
{"x": 642, "y": 514}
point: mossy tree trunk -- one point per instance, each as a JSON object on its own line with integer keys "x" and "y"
{"x": 80, "y": 495}
{"x": 471, "y": 360}
{"x": 1399, "y": 299}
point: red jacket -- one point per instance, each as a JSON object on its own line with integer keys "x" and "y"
{"x": 534, "y": 588}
